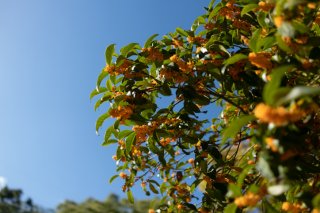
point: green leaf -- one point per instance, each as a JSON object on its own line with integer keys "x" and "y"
{"x": 100, "y": 120}
{"x": 153, "y": 188}
{"x": 130, "y": 196}
{"x": 97, "y": 91}
{"x": 112, "y": 178}
{"x": 149, "y": 40}
{"x": 248, "y": 8}
{"x": 109, "y": 85}
{"x": 129, "y": 142}
{"x": 153, "y": 148}
{"x": 108, "y": 133}
{"x": 235, "y": 58}
{"x": 110, "y": 141}
{"x": 101, "y": 77}
{"x": 231, "y": 208}
{"x": 109, "y": 53}
{"x": 268, "y": 207}
{"x": 234, "y": 190}
{"x": 232, "y": 130}
{"x": 165, "y": 90}
{"x": 124, "y": 133}
{"x": 266, "y": 43}
{"x": 125, "y": 50}
{"x": 182, "y": 32}
{"x": 254, "y": 40}
{"x": 271, "y": 87}
{"x": 298, "y": 92}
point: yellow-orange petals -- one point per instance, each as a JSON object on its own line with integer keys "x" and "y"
{"x": 249, "y": 199}
{"x": 153, "y": 54}
{"x": 183, "y": 66}
{"x": 265, "y": 6}
{"x": 121, "y": 112}
{"x": 279, "y": 116}
{"x": 315, "y": 211}
{"x": 278, "y": 20}
{"x": 261, "y": 60}
{"x": 123, "y": 175}
{"x": 291, "y": 207}
{"x": 151, "y": 211}
{"x": 271, "y": 142}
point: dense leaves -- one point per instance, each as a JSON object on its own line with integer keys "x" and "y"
{"x": 225, "y": 116}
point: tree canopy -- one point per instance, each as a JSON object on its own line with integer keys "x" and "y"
{"x": 112, "y": 204}
{"x": 223, "y": 117}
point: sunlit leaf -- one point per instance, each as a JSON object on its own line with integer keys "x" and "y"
{"x": 109, "y": 53}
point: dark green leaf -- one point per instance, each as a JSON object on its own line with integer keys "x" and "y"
{"x": 153, "y": 189}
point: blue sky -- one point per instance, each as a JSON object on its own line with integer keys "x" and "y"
{"x": 51, "y": 53}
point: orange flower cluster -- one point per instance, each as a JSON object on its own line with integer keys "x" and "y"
{"x": 173, "y": 75}
{"x": 279, "y": 116}
{"x": 196, "y": 39}
{"x": 114, "y": 70}
{"x": 261, "y": 60}
{"x": 185, "y": 67}
{"x": 177, "y": 42}
{"x": 271, "y": 143}
{"x": 249, "y": 199}
{"x": 264, "y": 6}
{"x": 153, "y": 54}
{"x": 122, "y": 113}
{"x": 166, "y": 141}
{"x": 240, "y": 24}
{"x": 291, "y": 207}
{"x": 230, "y": 11}
{"x": 143, "y": 131}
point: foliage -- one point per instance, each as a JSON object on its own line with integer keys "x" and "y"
{"x": 11, "y": 202}
{"x": 224, "y": 116}
{"x": 111, "y": 205}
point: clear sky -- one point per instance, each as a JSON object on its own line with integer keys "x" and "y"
{"x": 51, "y": 52}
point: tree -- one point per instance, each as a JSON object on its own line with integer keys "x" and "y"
{"x": 111, "y": 205}
{"x": 11, "y": 202}
{"x": 255, "y": 62}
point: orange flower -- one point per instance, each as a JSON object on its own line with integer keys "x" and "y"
{"x": 261, "y": 60}
{"x": 271, "y": 142}
{"x": 278, "y": 20}
{"x": 249, "y": 199}
{"x": 266, "y": 7}
{"x": 291, "y": 207}
{"x": 121, "y": 112}
{"x": 153, "y": 54}
{"x": 279, "y": 116}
